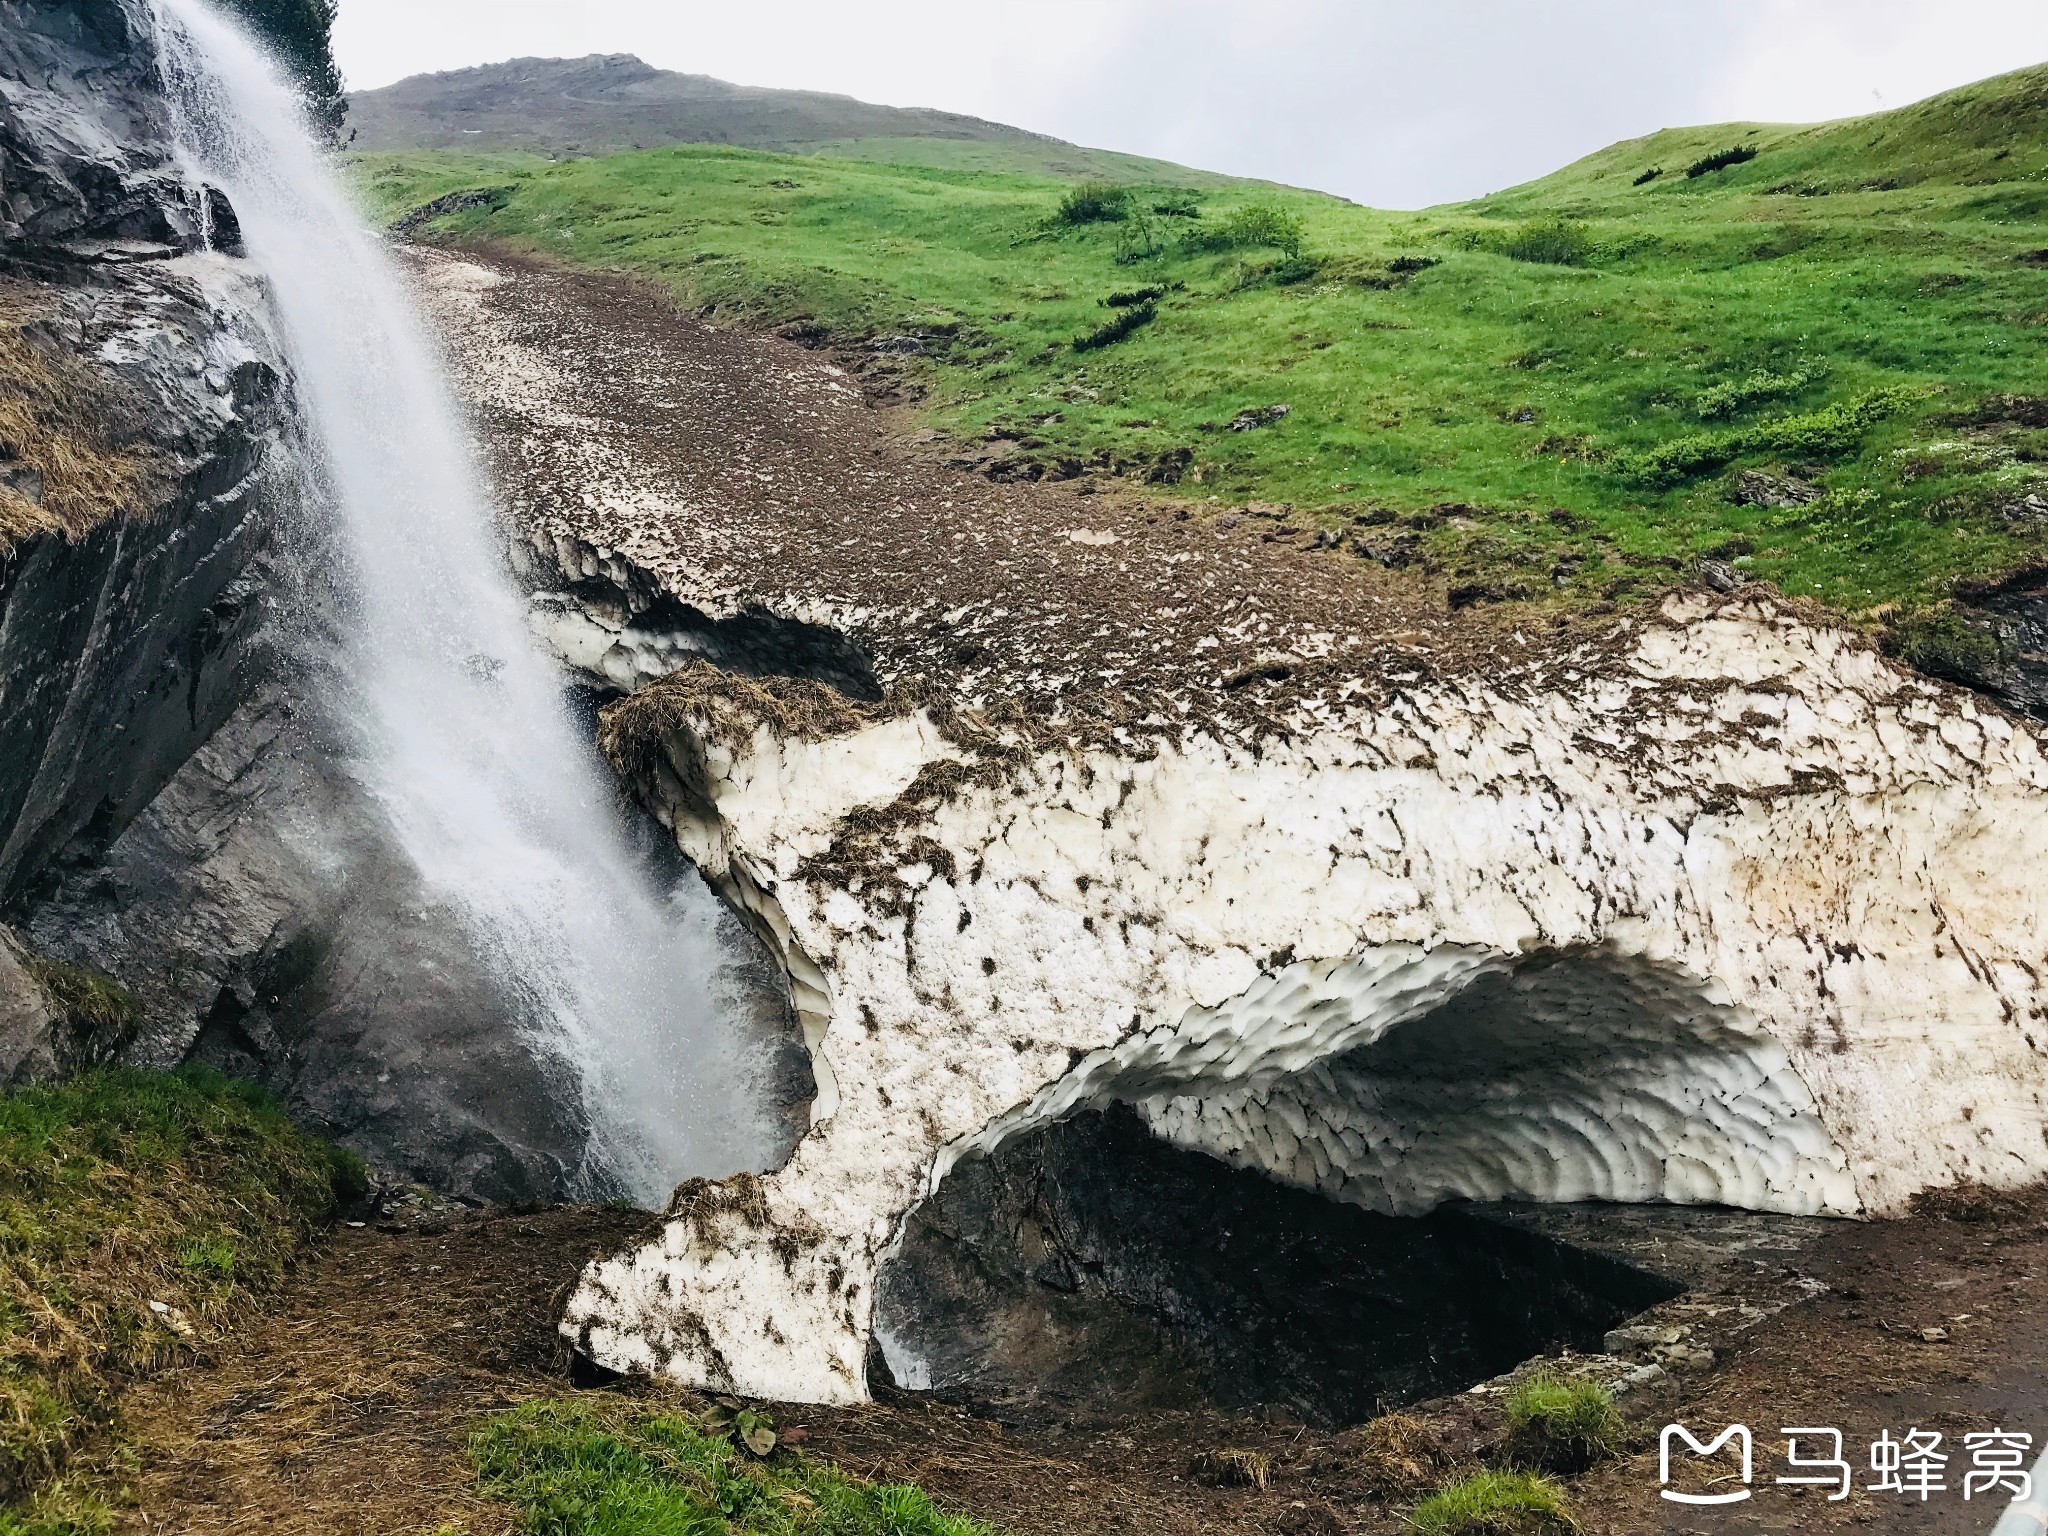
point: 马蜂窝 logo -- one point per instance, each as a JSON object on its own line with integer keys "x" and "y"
{"x": 1737, "y": 1433}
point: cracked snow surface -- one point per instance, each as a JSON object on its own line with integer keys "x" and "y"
{"x": 1711, "y": 905}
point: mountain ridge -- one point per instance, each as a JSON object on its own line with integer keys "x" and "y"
{"x": 608, "y": 103}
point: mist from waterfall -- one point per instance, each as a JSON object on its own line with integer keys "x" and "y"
{"x": 469, "y": 744}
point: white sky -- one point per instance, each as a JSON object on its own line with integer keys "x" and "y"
{"x": 1395, "y": 103}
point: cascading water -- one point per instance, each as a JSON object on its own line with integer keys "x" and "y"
{"x": 467, "y": 742}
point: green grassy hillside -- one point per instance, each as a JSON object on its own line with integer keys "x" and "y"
{"x": 1554, "y": 390}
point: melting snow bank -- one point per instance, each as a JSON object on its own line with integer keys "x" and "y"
{"x": 1734, "y": 911}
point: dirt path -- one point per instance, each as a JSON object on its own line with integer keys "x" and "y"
{"x": 344, "y": 1411}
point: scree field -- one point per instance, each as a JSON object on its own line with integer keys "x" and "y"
{"x": 1815, "y": 354}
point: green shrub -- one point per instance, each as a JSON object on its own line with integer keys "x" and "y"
{"x": 572, "y": 1471}
{"x": 1563, "y": 1426}
{"x": 1556, "y": 242}
{"x": 1096, "y": 202}
{"x": 1829, "y": 431}
{"x": 1137, "y": 239}
{"x": 1648, "y": 176}
{"x": 1253, "y": 226}
{"x": 1721, "y": 160}
{"x": 1178, "y": 205}
{"x": 1494, "y": 1504}
{"x": 1732, "y": 395}
{"x": 1265, "y": 224}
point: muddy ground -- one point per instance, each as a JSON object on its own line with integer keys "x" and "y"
{"x": 343, "y": 1412}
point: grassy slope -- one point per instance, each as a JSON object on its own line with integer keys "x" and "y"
{"x": 1879, "y": 253}
{"x": 137, "y": 1213}
{"x": 1049, "y": 158}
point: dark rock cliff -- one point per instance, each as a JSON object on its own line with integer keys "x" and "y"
{"x": 182, "y": 807}
{"x": 147, "y": 453}
{"x": 176, "y": 805}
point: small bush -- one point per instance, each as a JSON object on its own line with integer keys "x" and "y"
{"x": 1265, "y": 224}
{"x": 1252, "y": 227}
{"x": 1732, "y": 395}
{"x": 1494, "y": 1504}
{"x": 1721, "y": 160}
{"x": 1648, "y": 176}
{"x": 1830, "y": 431}
{"x": 1135, "y": 297}
{"x": 1563, "y": 1426}
{"x": 1137, "y": 239}
{"x": 1096, "y": 202}
{"x": 1555, "y": 242}
{"x": 1178, "y": 205}
{"x": 1117, "y": 327}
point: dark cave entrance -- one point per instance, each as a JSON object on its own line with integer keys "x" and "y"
{"x": 1088, "y": 1270}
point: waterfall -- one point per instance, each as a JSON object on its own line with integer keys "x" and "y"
{"x": 467, "y": 742}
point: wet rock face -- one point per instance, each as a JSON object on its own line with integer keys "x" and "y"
{"x": 2011, "y": 664}
{"x": 32, "y": 1035}
{"x": 1088, "y": 1270}
{"x": 123, "y": 645}
{"x": 289, "y": 940}
{"x": 130, "y": 607}
{"x": 83, "y": 130}
{"x": 177, "y": 806}
{"x": 286, "y": 939}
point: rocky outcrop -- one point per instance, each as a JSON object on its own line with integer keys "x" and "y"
{"x": 31, "y": 1027}
{"x": 148, "y": 457}
{"x": 126, "y": 642}
{"x": 148, "y": 451}
{"x": 85, "y": 136}
{"x": 284, "y": 937}
{"x": 182, "y": 805}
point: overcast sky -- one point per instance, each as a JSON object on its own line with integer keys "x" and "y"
{"x": 1396, "y": 103}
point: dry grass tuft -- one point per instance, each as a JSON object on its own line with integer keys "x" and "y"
{"x": 706, "y": 701}
{"x": 58, "y": 473}
{"x": 1399, "y": 1454}
{"x": 1232, "y": 1468}
{"x": 101, "y": 1013}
